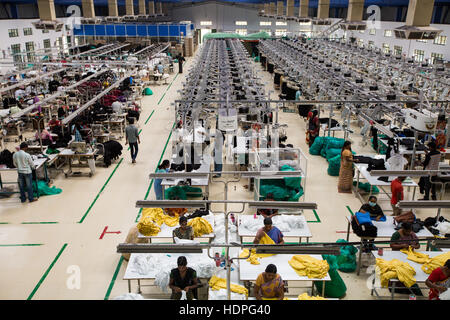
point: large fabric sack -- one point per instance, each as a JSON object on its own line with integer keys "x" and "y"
{"x": 347, "y": 259}
{"x": 317, "y": 146}
{"x": 365, "y": 186}
{"x": 333, "y": 152}
{"x": 335, "y": 288}
{"x": 293, "y": 182}
{"x": 148, "y": 92}
{"x": 334, "y": 165}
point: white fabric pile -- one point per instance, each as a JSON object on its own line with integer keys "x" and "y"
{"x": 129, "y": 296}
{"x": 221, "y": 294}
{"x": 443, "y": 227}
{"x": 219, "y": 229}
{"x": 285, "y": 223}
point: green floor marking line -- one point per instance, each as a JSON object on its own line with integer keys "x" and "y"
{"x": 50, "y": 222}
{"x": 47, "y": 272}
{"x": 350, "y": 210}
{"x": 149, "y": 117}
{"x": 162, "y": 97}
{"x": 317, "y": 218}
{"x": 111, "y": 285}
{"x": 101, "y": 190}
{"x": 22, "y": 245}
{"x": 4, "y": 222}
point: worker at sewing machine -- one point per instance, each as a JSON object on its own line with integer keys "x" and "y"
{"x": 46, "y": 137}
{"x": 54, "y": 124}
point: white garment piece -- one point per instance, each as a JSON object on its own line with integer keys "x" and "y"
{"x": 221, "y": 294}
{"x": 283, "y": 222}
{"x": 162, "y": 280}
{"x": 183, "y": 295}
{"x": 129, "y": 296}
{"x": 219, "y": 230}
{"x": 445, "y": 295}
{"x": 395, "y": 163}
{"x": 443, "y": 227}
{"x": 178, "y": 240}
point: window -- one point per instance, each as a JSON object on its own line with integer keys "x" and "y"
{"x": 280, "y": 32}
{"x": 206, "y": 23}
{"x": 69, "y": 40}
{"x": 372, "y": 32}
{"x": 27, "y": 31}
{"x": 59, "y": 42}
{"x": 436, "y": 56}
{"x": 371, "y": 44}
{"x": 265, "y": 23}
{"x": 281, "y": 23}
{"x": 419, "y": 55}
{"x": 13, "y": 33}
{"x": 422, "y": 40}
{"x": 241, "y": 23}
{"x": 15, "y": 49}
{"x": 398, "y": 50}
{"x": 29, "y": 47}
{"x": 388, "y": 33}
{"x": 305, "y": 23}
{"x": 45, "y": 31}
{"x": 441, "y": 40}
{"x": 386, "y": 48}
{"x": 242, "y": 32}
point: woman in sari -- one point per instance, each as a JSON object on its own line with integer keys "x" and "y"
{"x": 346, "y": 170}
{"x": 269, "y": 285}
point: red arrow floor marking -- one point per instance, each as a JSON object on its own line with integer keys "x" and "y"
{"x": 104, "y": 232}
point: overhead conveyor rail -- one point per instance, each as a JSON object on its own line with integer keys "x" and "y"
{"x": 92, "y": 50}
{"x": 34, "y": 79}
{"x": 104, "y": 53}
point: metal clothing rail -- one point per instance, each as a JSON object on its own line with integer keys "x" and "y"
{"x": 30, "y": 108}
{"x": 28, "y": 81}
{"x": 110, "y": 50}
{"x": 74, "y": 114}
{"x": 92, "y": 50}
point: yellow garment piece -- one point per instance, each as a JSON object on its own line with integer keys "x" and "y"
{"x": 200, "y": 226}
{"x": 396, "y": 269}
{"x": 157, "y": 215}
{"x": 428, "y": 264}
{"x": 305, "y": 296}
{"x": 308, "y": 266}
{"x": 216, "y": 283}
{"x": 253, "y": 259}
{"x": 147, "y": 227}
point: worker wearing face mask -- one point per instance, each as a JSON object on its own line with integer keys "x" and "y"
{"x": 375, "y": 211}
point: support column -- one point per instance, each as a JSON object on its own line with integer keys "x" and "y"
{"x": 151, "y": 7}
{"x": 129, "y": 8}
{"x": 304, "y": 8}
{"x": 88, "y": 8}
{"x": 113, "y": 11}
{"x": 323, "y": 11}
{"x": 419, "y": 13}
{"x": 290, "y": 8}
{"x": 355, "y": 10}
{"x": 273, "y": 8}
{"x": 159, "y": 7}
{"x": 142, "y": 7}
{"x": 47, "y": 10}
{"x": 280, "y": 8}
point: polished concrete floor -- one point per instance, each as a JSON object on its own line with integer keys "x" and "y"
{"x": 47, "y": 245}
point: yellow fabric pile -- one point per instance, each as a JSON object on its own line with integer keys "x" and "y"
{"x": 428, "y": 264}
{"x": 200, "y": 226}
{"x": 157, "y": 216}
{"x": 147, "y": 227}
{"x": 217, "y": 283}
{"x": 305, "y": 296}
{"x": 253, "y": 259}
{"x": 396, "y": 269}
{"x": 308, "y": 266}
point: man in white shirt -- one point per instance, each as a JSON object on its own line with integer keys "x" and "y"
{"x": 117, "y": 107}
{"x": 24, "y": 164}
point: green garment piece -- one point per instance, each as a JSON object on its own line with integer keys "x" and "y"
{"x": 280, "y": 190}
{"x": 335, "y": 288}
{"x": 148, "y": 92}
{"x": 294, "y": 182}
{"x": 347, "y": 259}
{"x": 365, "y": 186}
{"x": 181, "y": 192}
{"x": 44, "y": 189}
{"x": 52, "y": 151}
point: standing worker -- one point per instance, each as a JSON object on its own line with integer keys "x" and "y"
{"x": 397, "y": 194}
{"x": 180, "y": 63}
{"x": 132, "y": 137}
{"x": 163, "y": 168}
{"x": 313, "y": 127}
{"x": 24, "y": 164}
{"x": 345, "y": 183}
{"x": 431, "y": 163}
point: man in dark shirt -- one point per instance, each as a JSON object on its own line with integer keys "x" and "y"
{"x": 431, "y": 163}
{"x": 182, "y": 278}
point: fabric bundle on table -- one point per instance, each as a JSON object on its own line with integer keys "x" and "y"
{"x": 216, "y": 283}
{"x": 253, "y": 259}
{"x": 157, "y": 216}
{"x": 305, "y": 296}
{"x": 200, "y": 226}
{"x": 428, "y": 264}
{"x": 396, "y": 269}
{"x": 147, "y": 227}
{"x": 305, "y": 265}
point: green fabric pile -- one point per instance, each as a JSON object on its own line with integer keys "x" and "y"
{"x": 182, "y": 191}
{"x": 335, "y": 288}
{"x": 50, "y": 150}
{"x": 327, "y": 147}
{"x": 334, "y": 165}
{"x": 44, "y": 190}
{"x": 366, "y": 187}
{"x": 148, "y": 92}
{"x": 347, "y": 259}
{"x": 288, "y": 189}
{"x": 226, "y": 35}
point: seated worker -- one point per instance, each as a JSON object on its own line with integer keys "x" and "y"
{"x": 375, "y": 211}
{"x": 406, "y": 235}
{"x": 269, "y": 284}
{"x": 45, "y": 136}
{"x": 268, "y": 213}
{"x": 182, "y": 278}
{"x": 54, "y": 123}
{"x": 273, "y": 232}
{"x": 439, "y": 281}
{"x": 184, "y": 231}
{"x": 160, "y": 68}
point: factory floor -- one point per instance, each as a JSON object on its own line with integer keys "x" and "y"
{"x": 50, "y": 246}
